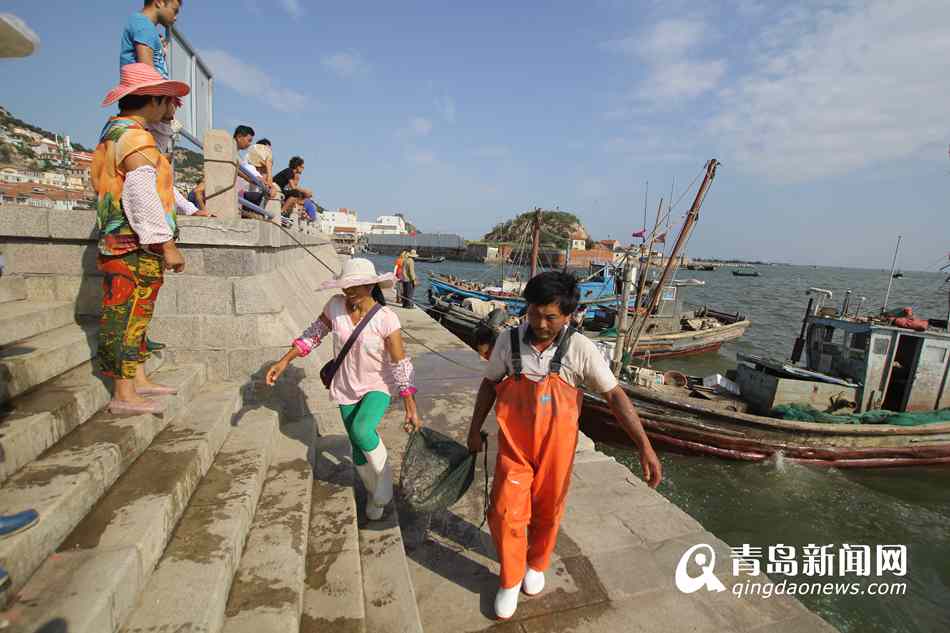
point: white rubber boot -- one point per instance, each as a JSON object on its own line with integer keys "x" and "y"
{"x": 383, "y": 491}
{"x": 506, "y": 601}
{"x": 366, "y": 473}
{"x": 533, "y": 582}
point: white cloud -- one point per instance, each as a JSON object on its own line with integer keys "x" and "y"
{"x": 251, "y": 81}
{"x": 834, "y": 91}
{"x": 446, "y": 106}
{"x": 420, "y": 126}
{"x": 674, "y": 70}
{"x": 345, "y": 64}
{"x": 292, "y": 7}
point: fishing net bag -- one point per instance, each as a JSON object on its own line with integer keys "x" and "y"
{"x": 436, "y": 471}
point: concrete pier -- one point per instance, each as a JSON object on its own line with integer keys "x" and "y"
{"x": 238, "y": 509}
{"x": 620, "y": 541}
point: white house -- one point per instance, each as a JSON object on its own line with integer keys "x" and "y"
{"x": 388, "y": 225}
{"x": 12, "y": 175}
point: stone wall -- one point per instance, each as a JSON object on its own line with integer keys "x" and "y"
{"x": 248, "y": 289}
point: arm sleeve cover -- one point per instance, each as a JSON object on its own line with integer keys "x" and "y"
{"x": 184, "y": 205}
{"x": 405, "y": 376}
{"x": 311, "y": 337}
{"x": 144, "y": 208}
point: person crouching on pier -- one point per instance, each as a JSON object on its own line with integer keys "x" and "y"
{"x": 137, "y": 231}
{"x": 533, "y": 379}
{"x": 373, "y": 369}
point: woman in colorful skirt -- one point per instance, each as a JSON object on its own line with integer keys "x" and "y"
{"x": 375, "y": 368}
{"x": 137, "y": 231}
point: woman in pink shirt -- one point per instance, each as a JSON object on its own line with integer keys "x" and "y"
{"x": 375, "y": 368}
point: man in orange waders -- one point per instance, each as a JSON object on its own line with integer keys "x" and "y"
{"x": 533, "y": 380}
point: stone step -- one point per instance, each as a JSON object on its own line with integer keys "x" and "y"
{"x": 267, "y": 593}
{"x": 96, "y": 578}
{"x": 66, "y": 481}
{"x": 30, "y": 362}
{"x": 205, "y": 549}
{"x": 334, "y": 600}
{"x": 389, "y": 596}
{"x": 12, "y": 289}
{"x": 25, "y": 319}
{"x": 39, "y": 418}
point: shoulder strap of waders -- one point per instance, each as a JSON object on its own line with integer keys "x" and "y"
{"x": 516, "y": 364}
{"x": 562, "y": 347}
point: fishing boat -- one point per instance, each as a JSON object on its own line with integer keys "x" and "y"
{"x": 430, "y": 260}
{"x": 703, "y": 267}
{"x": 745, "y": 273}
{"x": 680, "y": 333}
{"x": 873, "y": 391}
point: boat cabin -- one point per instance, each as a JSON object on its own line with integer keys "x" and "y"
{"x": 895, "y": 368}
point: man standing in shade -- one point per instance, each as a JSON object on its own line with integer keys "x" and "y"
{"x": 533, "y": 379}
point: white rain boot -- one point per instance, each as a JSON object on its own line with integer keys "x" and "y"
{"x": 533, "y": 582}
{"x": 383, "y": 491}
{"x": 368, "y": 476}
{"x": 506, "y": 601}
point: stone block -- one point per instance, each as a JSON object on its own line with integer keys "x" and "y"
{"x": 204, "y": 295}
{"x": 257, "y": 295}
{"x": 72, "y": 225}
{"x": 12, "y": 289}
{"x": 69, "y": 259}
{"x": 24, "y": 222}
{"x": 216, "y": 361}
{"x": 176, "y": 331}
{"x": 220, "y": 175}
{"x": 194, "y": 260}
{"x": 231, "y": 262}
{"x": 219, "y": 232}
{"x": 228, "y": 332}
{"x": 658, "y": 523}
{"x": 274, "y": 330}
{"x": 40, "y": 287}
{"x": 24, "y": 257}
{"x": 243, "y": 363}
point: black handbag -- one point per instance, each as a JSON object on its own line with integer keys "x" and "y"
{"x": 329, "y": 370}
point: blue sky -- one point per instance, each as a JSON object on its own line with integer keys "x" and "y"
{"x": 830, "y": 117}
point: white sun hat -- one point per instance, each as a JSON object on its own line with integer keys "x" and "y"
{"x": 358, "y": 272}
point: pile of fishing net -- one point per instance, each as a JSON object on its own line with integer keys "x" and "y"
{"x": 436, "y": 471}
{"x": 805, "y": 413}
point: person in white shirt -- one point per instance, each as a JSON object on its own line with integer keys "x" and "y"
{"x": 534, "y": 380}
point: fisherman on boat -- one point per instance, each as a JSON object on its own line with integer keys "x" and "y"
{"x": 534, "y": 380}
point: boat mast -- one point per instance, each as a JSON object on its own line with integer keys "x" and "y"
{"x": 621, "y": 324}
{"x": 642, "y": 281}
{"x": 681, "y": 240}
{"x": 890, "y": 278}
{"x": 536, "y": 242}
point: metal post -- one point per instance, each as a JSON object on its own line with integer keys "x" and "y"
{"x": 890, "y": 278}
{"x": 621, "y": 323}
{"x": 536, "y": 242}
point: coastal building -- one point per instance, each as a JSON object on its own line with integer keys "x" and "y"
{"x": 13, "y": 175}
{"x": 41, "y": 197}
{"x": 332, "y": 221}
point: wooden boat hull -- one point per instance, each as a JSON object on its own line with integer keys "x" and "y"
{"x": 687, "y": 425}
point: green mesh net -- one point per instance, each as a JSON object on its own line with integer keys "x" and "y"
{"x": 436, "y": 471}
{"x": 805, "y": 413}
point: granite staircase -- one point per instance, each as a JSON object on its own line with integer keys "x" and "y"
{"x": 212, "y": 517}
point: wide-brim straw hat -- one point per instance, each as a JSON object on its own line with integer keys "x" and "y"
{"x": 413, "y": 254}
{"x": 358, "y": 272}
{"x": 142, "y": 79}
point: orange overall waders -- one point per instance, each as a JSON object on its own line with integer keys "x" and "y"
{"x": 536, "y": 443}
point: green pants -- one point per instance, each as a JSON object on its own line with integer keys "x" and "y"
{"x": 361, "y": 420}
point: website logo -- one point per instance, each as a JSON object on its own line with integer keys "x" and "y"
{"x": 706, "y": 561}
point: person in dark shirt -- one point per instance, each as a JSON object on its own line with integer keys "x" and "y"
{"x": 289, "y": 178}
